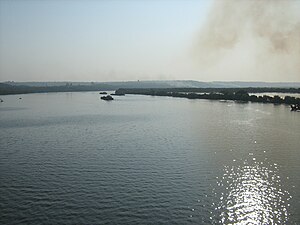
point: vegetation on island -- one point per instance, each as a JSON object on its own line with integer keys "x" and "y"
{"x": 240, "y": 94}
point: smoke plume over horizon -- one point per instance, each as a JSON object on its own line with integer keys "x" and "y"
{"x": 250, "y": 38}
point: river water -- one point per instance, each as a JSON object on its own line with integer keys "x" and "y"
{"x": 71, "y": 158}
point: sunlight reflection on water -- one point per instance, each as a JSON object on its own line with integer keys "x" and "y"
{"x": 252, "y": 194}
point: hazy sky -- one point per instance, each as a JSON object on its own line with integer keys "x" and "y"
{"x": 146, "y": 40}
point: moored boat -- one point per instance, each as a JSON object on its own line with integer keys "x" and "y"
{"x": 295, "y": 107}
{"x": 107, "y": 98}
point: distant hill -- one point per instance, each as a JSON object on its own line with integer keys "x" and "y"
{"x": 163, "y": 84}
{"x": 240, "y": 84}
{"x": 45, "y": 87}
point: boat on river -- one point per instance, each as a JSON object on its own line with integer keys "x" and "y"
{"x": 295, "y": 107}
{"x": 107, "y": 98}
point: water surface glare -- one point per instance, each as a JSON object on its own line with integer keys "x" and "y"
{"x": 253, "y": 195}
{"x": 71, "y": 158}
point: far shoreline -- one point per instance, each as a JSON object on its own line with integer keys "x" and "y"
{"x": 240, "y": 94}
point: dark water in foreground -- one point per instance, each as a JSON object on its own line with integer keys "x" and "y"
{"x": 70, "y": 158}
